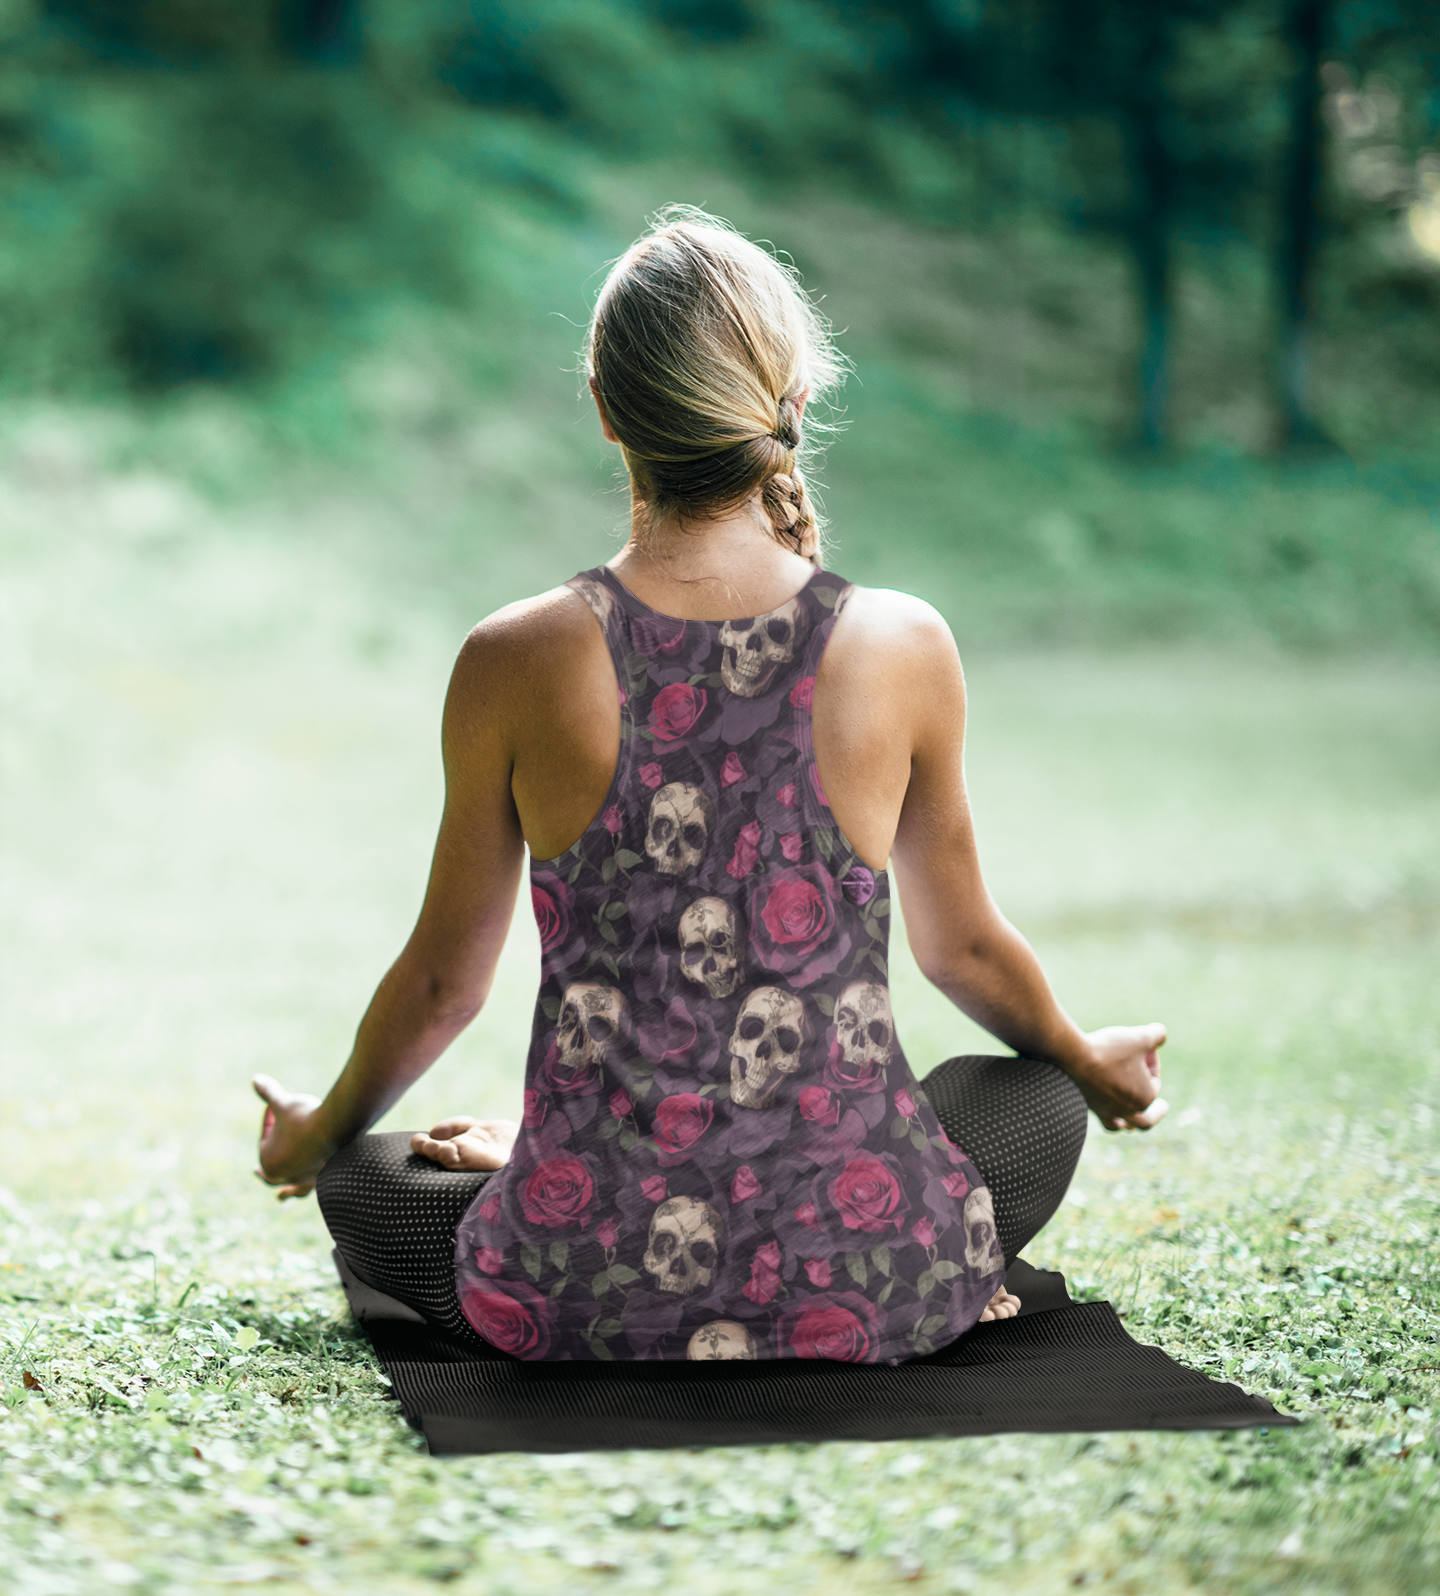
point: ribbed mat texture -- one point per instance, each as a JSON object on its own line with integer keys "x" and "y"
{"x": 1059, "y": 1366}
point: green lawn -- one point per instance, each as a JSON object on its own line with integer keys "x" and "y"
{"x": 220, "y": 784}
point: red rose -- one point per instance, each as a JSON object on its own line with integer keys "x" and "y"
{"x": 819, "y": 1271}
{"x": 607, "y": 1233}
{"x": 514, "y": 1317}
{"x": 809, "y": 1215}
{"x": 489, "y": 1210}
{"x": 551, "y": 899}
{"x": 681, "y": 1120}
{"x": 732, "y": 770}
{"x": 747, "y": 851}
{"x": 556, "y": 1193}
{"x": 817, "y": 1104}
{"x": 824, "y": 1328}
{"x": 653, "y": 1188}
{"x": 675, "y": 710}
{"x": 904, "y": 1104}
{"x": 764, "y": 1279}
{"x": 620, "y": 1105}
{"x": 490, "y": 1259}
{"x": 802, "y": 694}
{"x": 786, "y": 796}
{"x": 868, "y": 1196}
{"x": 652, "y": 776}
{"x": 792, "y": 845}
{"x": 924, "y": 1232}
{"x": 612, "y": 820}
{"x": 537, "y": 1105}
{"x": 955, "y": 1185}
{"x": 745, "y": 1185}
{"x": 866, "y": 1075}
{"x": 794, "y": 928}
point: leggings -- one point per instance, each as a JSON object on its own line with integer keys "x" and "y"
{"x": 392, "y": 1214}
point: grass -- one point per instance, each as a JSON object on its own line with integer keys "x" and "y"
{"x": 219, "y": 788}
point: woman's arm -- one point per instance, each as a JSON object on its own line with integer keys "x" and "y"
{"x": 443, "y": 976}
{"x": 960, "y": 939}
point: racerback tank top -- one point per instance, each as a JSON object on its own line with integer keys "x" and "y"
{"x": 724, "y": 1153}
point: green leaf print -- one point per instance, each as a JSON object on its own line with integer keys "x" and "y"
{"x": 880, "y": 1257}
{"x": 825, "y": 596}
{"x": 824, "y": 841}
{"x": 559, "y": 1255}
{"x": 825, "y": 1004}
{"x": 551, "y": 1006}
{"x": 559, "y": 1287}
{"x": 899, "y": 1128}
{"x": 918, "y": 1141}
{"x": 530, "y": 1260}
{"x": 878, "y": 960}
{"x": 574, "y": 875}
{"x": 606, "y": 1327}
{"x": 623, "y": 1274}
{"x": 610, "y": 1128}
{"x": 855, "y": 1265}
{"x": 613, "y": 911}
{"x": 608, "y": 931}
{"x": 884, "y": 1296}
{"x": 933, "y": 1325}
{"x": 626, "y": 859}
{"x": 925, "y": 1284}
{"x": 880, "y": 908}
{"x": 609, "y": 962}
{"x": 602, "y": 1352}
{"x": 628, "y": 1140}
{"x": 943, "y": 1269}
{"x": 600, "y": 1284}
{"x": 608, "y": 870}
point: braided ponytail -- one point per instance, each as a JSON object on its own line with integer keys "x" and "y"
{"x": 705, "y": 349}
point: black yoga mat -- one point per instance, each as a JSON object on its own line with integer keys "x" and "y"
{"x": 1058, "y": 1365}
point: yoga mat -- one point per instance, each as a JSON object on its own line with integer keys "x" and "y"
{"x": 1057, "y": 1366}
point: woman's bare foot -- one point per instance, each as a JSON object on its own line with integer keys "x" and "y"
{"x": 1003, "y": 1305}
{"x": 467, "y": 1143}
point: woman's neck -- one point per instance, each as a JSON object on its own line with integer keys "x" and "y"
{"x": 716, "y": 570}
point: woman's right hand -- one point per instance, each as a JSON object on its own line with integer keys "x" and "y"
{"x": 1120, "y": 1076}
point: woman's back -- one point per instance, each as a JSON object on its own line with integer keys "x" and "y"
{"x": 724, "y": 1151}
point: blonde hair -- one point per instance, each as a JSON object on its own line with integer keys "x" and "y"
{"x": 701, "y": 345}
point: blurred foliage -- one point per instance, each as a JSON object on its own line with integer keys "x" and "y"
{"x": 355, "y": 220}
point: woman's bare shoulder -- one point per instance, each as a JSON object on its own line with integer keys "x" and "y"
{"x": 907, "y": 631}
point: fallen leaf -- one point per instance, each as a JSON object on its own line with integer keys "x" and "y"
{"x": 31, "y": 1383}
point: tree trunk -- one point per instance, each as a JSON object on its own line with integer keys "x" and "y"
{"x": 1299, "y": 234}
{"x": 1152, "y": 172}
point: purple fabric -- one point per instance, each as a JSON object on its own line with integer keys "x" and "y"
{"x": 724, "y": 1151}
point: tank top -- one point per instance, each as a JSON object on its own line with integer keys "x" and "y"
{"x": 724, "y": 1153}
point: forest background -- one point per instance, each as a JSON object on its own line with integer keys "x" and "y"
{"x": 1141, "y": 300}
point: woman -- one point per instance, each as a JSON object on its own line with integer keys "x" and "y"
{"x": 724, "y": 1152}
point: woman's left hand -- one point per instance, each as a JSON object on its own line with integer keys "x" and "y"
{"x": 292, "y": 1147}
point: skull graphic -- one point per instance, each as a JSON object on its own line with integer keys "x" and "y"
{"x": 765, "y": 1045}
{"x": 711, "y": 933}
{"x": 865, "y": 1028}
{"x": 590, "y": 1018}
{"x": 683, "y": 1251}
{"x": 755, "y": 650}
{"x": 982, "y": 1245}
{"x": 599, "y": 598}
{"x": 721, "y": 1338}
{"x": 682, "y": 819}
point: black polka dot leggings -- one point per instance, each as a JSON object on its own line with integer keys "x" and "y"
{"x": 393, "y": 1214}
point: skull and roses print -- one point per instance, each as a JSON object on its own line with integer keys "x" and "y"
{"x": 724, "y": 1153}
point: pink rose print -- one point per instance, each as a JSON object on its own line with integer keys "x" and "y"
{"x": 792, "y": 845}
{"x": 747, "y": 851}
{"x": 624, "y": 696}
{"x": 652, "y": 776}
{"x": 620, "y": 1105}
{"x": 612, "y": 820}
{"x": 653, "y": 1188}
{"x": 607, "y": 1233}
{"x": 744, "y": 1185}
{"x": 553, "y": 902}
{"x": 793, "y": 912}
{"x": 764, "y": 1279}
{"x": 675, "y": 710}
{"x": 815, "y": 783}
{"x": 808, "y": 1215}
{"x": 819, "y": 1271}
{"x": 924, "y": 1232}
{"x": 868, "y": 1196}
{"x": 904, "y": 1104}
{"x": 786, "y": 796}
{"x": 681, "y": 1120}
{"x": 537, "y": 1105}
{"x": 802, "y": 694}
{"x": 489, "y": 1210}
{"x": 556, "y": 1194}
{"x": 490, "y": 1259}
{"x": 514, "y": 1316}
{"x": 732, "y": 770}
{"x": 955, "y": 1185}
{"x": 657, "y": 634}
{"x": 864, "y": 1075}
{"x": 839, "y": 1328}
{"x": 819, "y": 1105}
